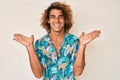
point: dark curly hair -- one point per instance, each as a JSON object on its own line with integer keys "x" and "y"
{"x": 67, "y": 13}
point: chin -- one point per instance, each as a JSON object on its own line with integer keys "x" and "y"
{"x": 57, "y": 30}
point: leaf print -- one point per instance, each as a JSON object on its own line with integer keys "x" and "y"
{"x": 70, "y": 49}
{"x": 57, "y": 67}
{"x": 62, "y": 65}
{"x": 46, "y": 52}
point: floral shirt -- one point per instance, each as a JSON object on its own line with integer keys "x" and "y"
{"x": 57, "y": 67}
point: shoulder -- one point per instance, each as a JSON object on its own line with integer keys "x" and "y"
{"x": 71, "y": 39}
{"x": 42, "y": 40}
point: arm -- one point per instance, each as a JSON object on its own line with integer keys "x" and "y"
{"x": 80, "y": 57}
{"x": 80, "y": 61}
{"x": 34, "y": 62}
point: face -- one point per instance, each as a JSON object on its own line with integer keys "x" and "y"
{"x": 56, "y": 20}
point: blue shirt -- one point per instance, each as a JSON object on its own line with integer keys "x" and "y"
{"x": 57, "y": 67}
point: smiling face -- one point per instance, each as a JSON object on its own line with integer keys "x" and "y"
{"x": 56, "y": 20}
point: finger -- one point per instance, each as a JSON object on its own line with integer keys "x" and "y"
{"x": 92, "y": 32}
{"x": 32, "y": 36}
{"x": 15, "y": 35}
{"x": 21, "y": 35}
{"x": 94, "y": 36}
{"x": 95, "y": 33}
{"x": 82, "y": 34}
{"x": 16, "y": 39}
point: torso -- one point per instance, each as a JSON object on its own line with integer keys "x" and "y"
{"x": 57, "y": 42}
{"x": 60, "y": 66}
{"x": 57, "y": 46}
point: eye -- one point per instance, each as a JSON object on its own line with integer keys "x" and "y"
{"x": 52, "y": 16}
{"x": 61, "y": 16}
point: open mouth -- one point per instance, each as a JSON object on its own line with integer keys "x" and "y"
{"x": 57, "y": 25}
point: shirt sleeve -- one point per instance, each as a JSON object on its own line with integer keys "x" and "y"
{"x": 39, "y": 51}
{"x": 75, "y": 48}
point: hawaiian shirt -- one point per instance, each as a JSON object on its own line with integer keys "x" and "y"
{"x": 57, "y": 67}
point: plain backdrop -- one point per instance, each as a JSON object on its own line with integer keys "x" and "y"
{"x": 23, "y": 16}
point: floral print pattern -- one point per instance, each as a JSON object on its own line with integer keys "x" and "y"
{"x": 57, "y": 67}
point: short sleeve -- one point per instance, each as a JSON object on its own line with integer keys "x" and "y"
{"x": 39, "y": 51}
{"x": 75, "y": 48}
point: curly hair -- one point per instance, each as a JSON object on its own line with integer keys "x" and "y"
{"x": 67, "y": 13}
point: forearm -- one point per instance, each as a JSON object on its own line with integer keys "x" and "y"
{"x": 34, "y": 62}
{"x": 80, "y": 61}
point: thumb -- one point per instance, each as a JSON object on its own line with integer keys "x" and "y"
{"x": 82, "y": 34}
{"x": 32, "y": 36}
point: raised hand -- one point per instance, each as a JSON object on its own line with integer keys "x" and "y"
{"x": 86, "y": 38}
{"x": 26, "y": 41}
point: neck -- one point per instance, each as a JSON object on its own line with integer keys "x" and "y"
{"x": 57, "y": 35}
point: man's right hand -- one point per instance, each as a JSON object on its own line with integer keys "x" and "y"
{"x": 26, "y": 41}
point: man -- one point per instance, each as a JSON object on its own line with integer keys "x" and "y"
{"x": 58, "y": 55}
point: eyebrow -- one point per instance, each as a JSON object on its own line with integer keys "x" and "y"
{"x": 58, "y": 15}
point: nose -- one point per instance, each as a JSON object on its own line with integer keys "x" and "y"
{"x": 57, "y": 19}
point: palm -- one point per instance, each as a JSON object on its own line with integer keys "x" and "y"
{"x": 26, "y": 41}
{"x": 86, "y": 38}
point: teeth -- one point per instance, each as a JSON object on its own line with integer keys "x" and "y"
{"x": 57, "y": 25}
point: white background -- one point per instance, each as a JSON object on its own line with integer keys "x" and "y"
{"x": 22, "y": 16}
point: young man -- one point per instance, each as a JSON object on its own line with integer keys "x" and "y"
{"x": 58, "y": 55}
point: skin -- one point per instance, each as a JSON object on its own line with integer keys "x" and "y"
{"x": 57, "y": 34}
